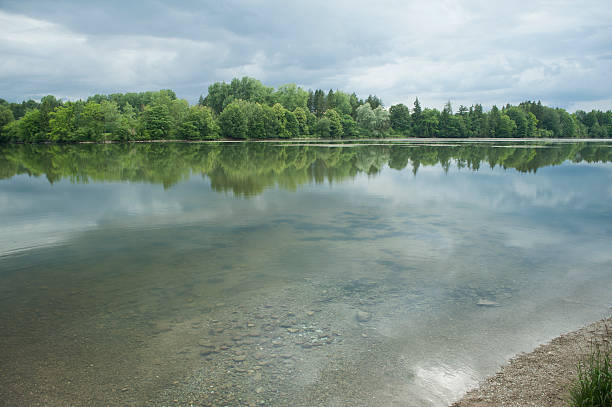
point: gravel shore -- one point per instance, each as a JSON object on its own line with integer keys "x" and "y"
{"x": 542, "y": 377}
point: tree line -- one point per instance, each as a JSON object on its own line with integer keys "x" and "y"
{"x": 247, "y": 109}
{"x": 248, "y": 169}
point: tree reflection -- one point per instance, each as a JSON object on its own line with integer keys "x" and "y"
{"x": 246, "y": 169}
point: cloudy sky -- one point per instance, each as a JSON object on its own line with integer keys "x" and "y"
{"x": 465, "y": 51}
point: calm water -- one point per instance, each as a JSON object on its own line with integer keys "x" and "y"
{"x": 264, "y": 274}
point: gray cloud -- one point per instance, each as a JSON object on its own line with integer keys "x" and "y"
{"x": 467, "y": 52}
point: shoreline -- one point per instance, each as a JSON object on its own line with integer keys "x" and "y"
{"x": 543, "y": 376}
{"x": 320, "y": 140}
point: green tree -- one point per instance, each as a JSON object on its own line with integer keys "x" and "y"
{"x": 129, "y": 123}
{"x": 505, "y": 127}
{"x": 430, "y": 122}
{"x": 450, "y": 125}
{"x": 91, "y": 122}
{"x": 19, "y": 109}
{"x": 350, "y": 128}
{"x": 291, "y": 96}
{"x": 399, "y": 116}
{"x": 323, "y": 128}
{"x": 342, "y": 102}
{"x": 47, "y": 105}
{"x": 374, "y": 121}
{"x": 494, "y": 121}
{"x": 250, "y": 90}
{"x": 597, "y": 131}
{"x": 366, "y": 118}
{"x": 233, "y": 122}
{"x": 311, "y": 121}
{"x": 331, "y": 99}
{"x": 374, "y": 101}
{"x": 199, "y": 124}
{"x": 280, "y": 121}
{"x": 217, "y": 93}
{"x": 335, "y": 123}
{"x": 273, "y": 128}
{"x": 567, "y": 124}
{"x": 355, "y": 103}
{"x": 478, "y": 125}
{"x": 417, "y": 119}
{"x": 320, "y": 103}
{"x": 532, "y": 124}
{"x": 6, "y": 116}
{"x": 11, "y": 132}
{"x": 64, "y": 122}
{"x": 292, "y": 127}
{"x": 311, "y": 101}
{"x": 256, "y": 120}
{"x": 112, "y": 124}
{"x": 302, "y": 119}
{"x": 550, "y": 121}
{"x": 382, "y": 119}
{"x": 519, "y": 117}
{"x": 155, "y": 122}
{"x": 178, "y": 110}
{"x": 28, "y": 128}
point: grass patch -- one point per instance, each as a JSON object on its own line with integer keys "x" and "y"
{"x": 594, "y": 385}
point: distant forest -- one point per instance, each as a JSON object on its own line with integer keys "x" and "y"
{"x": 247, "y": 109}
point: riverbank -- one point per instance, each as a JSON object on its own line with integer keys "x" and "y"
{"x": 542, "y": 377}
{"x": 328, "y": 140}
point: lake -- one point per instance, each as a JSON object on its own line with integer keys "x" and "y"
{"x": 394, "y": 273}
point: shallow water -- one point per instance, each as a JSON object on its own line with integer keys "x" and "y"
{"x": 262, "y": 274}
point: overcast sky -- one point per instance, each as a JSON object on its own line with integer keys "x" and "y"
{"x": 465, "y": 51}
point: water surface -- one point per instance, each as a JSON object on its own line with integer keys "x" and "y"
{"x": 292, "y": 274}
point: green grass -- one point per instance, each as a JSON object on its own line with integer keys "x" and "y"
{"x": 594, "y": 385}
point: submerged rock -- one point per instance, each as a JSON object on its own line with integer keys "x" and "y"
{"x": 239, "y": 358}
{"x": 362, "y": 316}
{"x": 486, "y": 303}
{"x": 205, "y": 344}
{"x": 259, "y": 355}
{"x": 206, "y": 348}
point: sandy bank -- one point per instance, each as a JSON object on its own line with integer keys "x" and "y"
{"x": 542, "y": 377}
